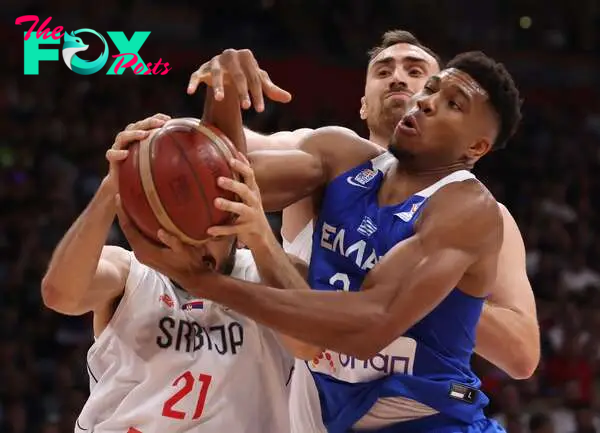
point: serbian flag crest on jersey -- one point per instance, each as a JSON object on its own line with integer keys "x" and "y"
{"x": 193, "y": 305}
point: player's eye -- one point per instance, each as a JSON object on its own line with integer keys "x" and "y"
{"x": 454, "y": 105}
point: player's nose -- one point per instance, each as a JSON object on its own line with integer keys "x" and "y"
{"x": 399, "y": 80}
{"x": 426, "y": 105}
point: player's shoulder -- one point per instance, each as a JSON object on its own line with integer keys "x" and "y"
{"x": 465, "y": 211}
{"x": 471, "y": 194}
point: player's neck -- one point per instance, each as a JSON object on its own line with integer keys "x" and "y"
{"x": 381, "y": 140}
{"x": 401, "y": 181}
{"x": 413, "y": 169}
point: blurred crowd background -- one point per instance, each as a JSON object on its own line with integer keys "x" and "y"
{"x": 57, "y": 126}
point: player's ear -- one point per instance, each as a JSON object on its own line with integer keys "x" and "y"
{"x": 480, "y": 147}
{"x": 363, "y": 108}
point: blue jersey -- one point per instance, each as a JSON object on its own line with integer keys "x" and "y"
{"x": 426, "y": 372}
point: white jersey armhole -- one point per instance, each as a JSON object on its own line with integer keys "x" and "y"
{"x": 301, "y": 246}
{"x": 134, "y": 278}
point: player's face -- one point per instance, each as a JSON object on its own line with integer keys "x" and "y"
{"x": 449, "y": 121}
{"x": 393, "y": 77}
{"x": 219, "y": 253}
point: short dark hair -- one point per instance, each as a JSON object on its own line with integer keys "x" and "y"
{"x": 393, "y": 37}
{"x": 500, "y": 86}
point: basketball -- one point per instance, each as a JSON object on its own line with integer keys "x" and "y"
{"x": 169, "y": 180}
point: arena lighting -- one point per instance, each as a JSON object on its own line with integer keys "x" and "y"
{"x": 525, "y": 22}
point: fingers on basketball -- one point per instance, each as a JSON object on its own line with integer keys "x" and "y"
{"x": 238, "y": 188}
{"x": 125, "y": 138}
{"x": 242, "y": 167}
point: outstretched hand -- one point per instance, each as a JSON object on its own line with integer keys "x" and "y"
{"x": 239, "y": 68}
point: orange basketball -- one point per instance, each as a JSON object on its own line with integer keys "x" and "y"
{"x": 169, "y": 180}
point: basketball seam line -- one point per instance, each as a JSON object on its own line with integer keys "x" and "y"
{"x": 223, "y": 149}
{"x": 197, "y": 181}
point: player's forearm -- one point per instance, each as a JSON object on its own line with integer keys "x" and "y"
{"x": 333, "y": 320}
{"x": 226, "y": 115}
{"x": 508, "y": 339}
{"x": 75, "y": 259}
{"x": 277, "y": 270}
{"x": 275, "y": 267}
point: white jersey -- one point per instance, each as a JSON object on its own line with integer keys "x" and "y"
{"x": 169, "y": 362}
{"x": 305, "y": 409}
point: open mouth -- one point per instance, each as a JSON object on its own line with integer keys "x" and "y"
{"x": 408, "y": 125}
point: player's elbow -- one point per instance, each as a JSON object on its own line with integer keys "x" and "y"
{"x": 527, "y": 353}
{"x": 55, "y": 299}
{"x": 524, "y": 362}
{"x": 367, "y": 349}
{"x": 376, "y": 337}
{"x": 307, "y": 352}
{"x": 300, "y": 349}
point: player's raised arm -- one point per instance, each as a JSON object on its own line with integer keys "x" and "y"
{"x": 284, "y": 176}
{"x": 225, "y": 114}
{"x": 236, "y": 73}
{"x": 83, "y": 274}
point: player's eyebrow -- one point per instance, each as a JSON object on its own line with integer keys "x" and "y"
{"x": 389, "y": 59}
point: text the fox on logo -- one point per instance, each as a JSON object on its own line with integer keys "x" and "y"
{"x": 128, "y": 56}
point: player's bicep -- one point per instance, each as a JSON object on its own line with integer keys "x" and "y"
{"x": 286, "y": 176}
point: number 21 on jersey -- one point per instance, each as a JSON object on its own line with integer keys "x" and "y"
{"x": 186, "y": 384}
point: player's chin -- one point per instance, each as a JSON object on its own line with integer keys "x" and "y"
{"x": 394, "y": 112}
{"x": 402, "y": 151}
